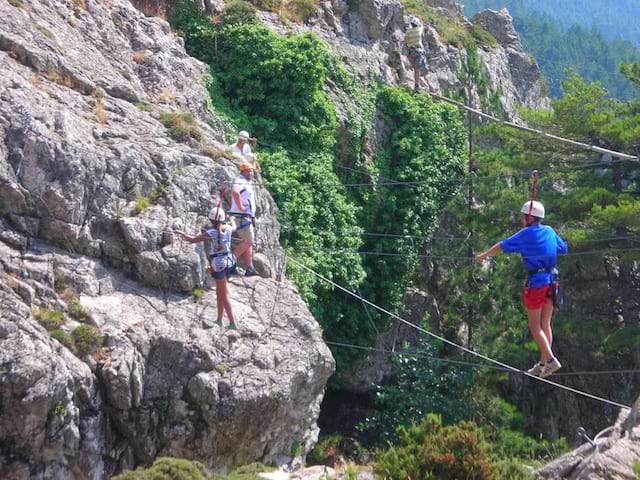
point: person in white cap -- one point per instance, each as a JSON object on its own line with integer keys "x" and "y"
{"x": 241, "y": 148}
{"x": 417, "y": 54}
{"x": 539, "y": 246}
{"x": 222, "y": 260}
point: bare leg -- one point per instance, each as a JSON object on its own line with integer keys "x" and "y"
{"x": 416, "y": 78}
{"x": 222, "y": 292}
{"x": 248, "y": 256}
{"x": 547, "y": 314}
{"x": 538, "y": 334}
{"x": 220, "y": 299}
{"x": 240, "y": 250}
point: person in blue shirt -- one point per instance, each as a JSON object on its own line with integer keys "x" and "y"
{"x": 222, "y": 260}
{"x": 539, "y": 246}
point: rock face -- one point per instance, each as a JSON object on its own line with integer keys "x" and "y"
{"x": 614, "y": 453}
{"x": 368, "y": 35}
{"x": 107, "y": 145}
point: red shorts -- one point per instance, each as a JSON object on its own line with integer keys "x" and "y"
{"x": 535, "y": 298}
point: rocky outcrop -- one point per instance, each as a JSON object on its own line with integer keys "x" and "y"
{"x": 613, "y": 453}
{"x": 368, "y": 36}
{"x": 108, "y": 144}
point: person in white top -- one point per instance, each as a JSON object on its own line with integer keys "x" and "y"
{"x": 243, "y": 207}
{"x": 417, "y": 54}
{"x": 222, "y": 261}
{"x": 241, "y": 148}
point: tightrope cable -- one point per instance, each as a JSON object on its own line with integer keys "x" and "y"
{"x": 453, "y": 344}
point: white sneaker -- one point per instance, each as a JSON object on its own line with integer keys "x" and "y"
{"x": 550, "y": 367}
{"x": 536, "y": 369}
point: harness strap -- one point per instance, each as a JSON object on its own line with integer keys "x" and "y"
{"x": 219, "y": 254}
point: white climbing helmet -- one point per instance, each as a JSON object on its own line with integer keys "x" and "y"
{"x": 244, "y": 135}
{"x": 217, "y": 215}
{"x": 537, "y": 210}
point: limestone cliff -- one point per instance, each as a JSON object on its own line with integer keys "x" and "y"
{"x": 107, "y": 143}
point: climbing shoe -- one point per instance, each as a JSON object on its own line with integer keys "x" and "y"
{"x": 536, "y": 369}
{"x": 232, "y": 326}
{"x": 250, "y": 272}
{"x": 550, "y": 367}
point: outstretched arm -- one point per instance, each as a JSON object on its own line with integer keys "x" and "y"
{"x": 479, "y": 257}
{"x": 193, "y": 238}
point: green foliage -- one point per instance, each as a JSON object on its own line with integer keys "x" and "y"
{"x": 253, "y": 468}
{"x": 63, "y": 337}
{"x": 431, "y": 451}
{"x": 182, "y": 126}
{"x": 142, "y": 203}
{"x": 239, "y": 12}
{"x": 636, "y": 469}
{"x": 268, "y": 5}
{"x": 86, "y": 338}
{"x": 326, "y": 449}
{"x": 45, "y": 31}
{"x": 419, "y": 386}
{"x": 166, "y": 468}
{"x": 16, "y": 3}
{"x": 59, "y": 282}
{"x": 323, "y": 233}
{"x": 144, "y": 106}
{"x": 197, "y": 294}
{"x": 632, "y": 72}
{"x": 76, "y": 311}
{"x": 59, "y": 410}
{"x": 49, "y": 319}
{"x": 281, "y": 88}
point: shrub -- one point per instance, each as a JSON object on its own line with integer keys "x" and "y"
{"x": 636, "y": 469}
{"x": 182, "y": 126}
{"x": 325, "y": 450}
{"x": 239, "y": 12}
{"x": 269, "y": 5}
{"x": 59, "y": 282}
{"x": 86, "y": 339}
{"x": 166, "y": 468}
{"x": 432, "y": 451}
{"x": 63, "y": 337}
{"x": 49, "y": 319}
{"x": 16, "y": 3}
{"x": 144, "y": 106}
{"x": 300, "y": 10}
{"x": 76, "y": 311}
{"x": 142, "y": 203}
{"x": 419, "y": 386}
{"x": 197, "y": 294}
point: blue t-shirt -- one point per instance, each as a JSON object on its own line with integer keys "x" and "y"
{"x": 539, "y": 246}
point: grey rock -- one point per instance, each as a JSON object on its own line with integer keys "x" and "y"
{"x": 616, "y": 453}
{"x": 500, "y": 25}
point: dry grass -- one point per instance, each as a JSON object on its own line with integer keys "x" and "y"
{"x": 60, "y": 77}
{"x": 101, "y": 113}
{"x": 166, "y": 96}
{"x": 37, "y": 79}
{"x": 140, "y": 57}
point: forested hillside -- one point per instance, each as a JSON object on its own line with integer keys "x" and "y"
{"x": 615, "y": 19}
{"x": 557, "y": 45}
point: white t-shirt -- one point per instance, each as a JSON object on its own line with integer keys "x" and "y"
{"x": 244, "y": 153}
{"x": 247, "y": 197}
{"x": 221, "y": 246}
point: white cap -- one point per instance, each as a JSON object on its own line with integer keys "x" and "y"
{"x": 217, "y": 215}
{"x": 244, "y": 134}
{"x": 537, "y": 210}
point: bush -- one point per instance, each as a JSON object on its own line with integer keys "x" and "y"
{"x": 49, "y": 319}
{"x": 182, "y": 126}
{"x": 300, "y": 10}
{"x": 142, "y": 203}
{"x": 86, "y": 339}
{"x": 166, "y": 468}
{"x": 76, "y": 311}
{"x": 240, "y": 12}
{"x": 419, "y": 386}
{"x": 269, "y": 5}
{"x": 197, "y": 294}
{"x": 431, "y": 451}
{"x": 63, "y": 337}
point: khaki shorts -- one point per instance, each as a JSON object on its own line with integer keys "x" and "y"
{"x": 245, "y": 234}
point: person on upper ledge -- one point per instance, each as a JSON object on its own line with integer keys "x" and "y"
{"x": 241, "y": 148}
{"x": 417, "y": 54}
{"x": 242, "y": 151}
{"x": 243, "y": 207}
{"x": 539, "y": 246}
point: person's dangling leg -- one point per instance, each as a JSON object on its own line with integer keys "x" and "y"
{"x": 535, "y": 327}
{"x": 547, "y": 314}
